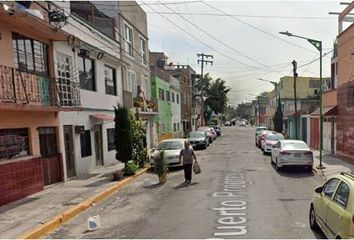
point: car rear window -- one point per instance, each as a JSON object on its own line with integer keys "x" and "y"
{"x": 295, "y": 145}
{"x": 275, "y": 137}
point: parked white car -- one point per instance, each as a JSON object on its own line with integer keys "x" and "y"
{"x": 172, "y": 148}
{"x": 270, "y": 140}
{"x": 291, "y": 153}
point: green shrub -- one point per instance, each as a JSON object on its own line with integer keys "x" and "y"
{"x": 131, "y": 168}
{"x": 160, "y": 164}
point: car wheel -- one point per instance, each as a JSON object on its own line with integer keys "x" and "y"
{"x": 312, "y": 219}
{"x": 205, "y": 146}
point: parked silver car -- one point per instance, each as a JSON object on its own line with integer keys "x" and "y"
{"x": 199, "y": 139}
{"x": 172, "y": 148}
{"x": 291, "y": 153}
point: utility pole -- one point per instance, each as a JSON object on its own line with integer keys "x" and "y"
{"x": 204, "y": 59}
{"x": 295, "y": 76}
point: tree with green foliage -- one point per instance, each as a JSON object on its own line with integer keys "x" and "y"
{"x": 139, "y": 140}
{"x": 278, "y": 118}
{"x": 215, "y": 94}
{"x": 123, "y": 135}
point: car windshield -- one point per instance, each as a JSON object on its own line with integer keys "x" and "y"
{"x": 197, "y": 135}
{"x": 295, "y": 145}
{"x": 275, "y": 137}
{"x": 170, "y": 145}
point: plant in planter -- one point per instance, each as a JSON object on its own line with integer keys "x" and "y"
{"x": 161, "y": 167}
{"x": 138, "y": 102}
{"x": 150, "y": 105}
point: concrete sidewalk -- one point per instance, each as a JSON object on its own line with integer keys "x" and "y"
{"x": 27, "y": 213}
{"x": 332, "y": 164}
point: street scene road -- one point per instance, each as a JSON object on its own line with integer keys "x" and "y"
{"x": 238, "y": 195}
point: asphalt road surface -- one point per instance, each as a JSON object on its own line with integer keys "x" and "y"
{"x": 238, "y": 195}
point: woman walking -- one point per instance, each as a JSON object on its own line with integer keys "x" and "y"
{"x": 188, "y": 154}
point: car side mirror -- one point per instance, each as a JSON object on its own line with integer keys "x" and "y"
{"x": 319, "y": 190}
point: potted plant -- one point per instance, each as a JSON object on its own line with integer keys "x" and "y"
{"x": 138, "y": 102}
{"x": 161, "y": 166}
{"x": 150, "y": 105}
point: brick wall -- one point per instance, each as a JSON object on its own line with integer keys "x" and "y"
{"x": 345, "y": 124}
{"x": 20, "y": 179}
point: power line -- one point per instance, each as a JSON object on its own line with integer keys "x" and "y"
{"x": 228, "y": 15}
{"x": 218, "y": 40}
{"x": 257, "y": 28}
{"x": 142, "y": 3}
{"x": 194, "y": 37}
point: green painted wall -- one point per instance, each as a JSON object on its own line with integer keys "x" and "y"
{"x": 165, "y": 113}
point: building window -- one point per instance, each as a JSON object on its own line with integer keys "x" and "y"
{"x": 168, "y": 97}
{"x": 174, "y": 127}
{"x": 161, "y": 94}
{"x": 14, "y": 143}
{"x": 173, "y": 97}
{"x": 89, "y": 12}
{"x": 145, "y": 86}
{"x": 128, "y": 35}
{"x": 110, "y": 80}
{"x": 87, "y": 73}
{"x": 110, "y": 139}
{"x": 85, "y": 141}
{"x": 30, "y": 55}
{"x": 350, "y": 97}
{"x": 48, "y": 141}
{"x": 143, "y": 50}
{"x": 131, "y": 83}
{"x": 178, "y": 127}
{"x": 314, "y": 84}
{"x": 177, "y": 98}
{"x": 68, "y": 87}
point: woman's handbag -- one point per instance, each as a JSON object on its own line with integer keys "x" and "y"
{"x": 196, "y": 168}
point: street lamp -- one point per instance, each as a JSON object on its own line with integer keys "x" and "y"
{"x": 318, "y": 45}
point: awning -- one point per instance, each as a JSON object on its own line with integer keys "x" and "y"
{"x": 101, "y": 117}
{"x": 326, "y": 111}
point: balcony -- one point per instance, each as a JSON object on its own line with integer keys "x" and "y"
{"x": 23, "y": 88}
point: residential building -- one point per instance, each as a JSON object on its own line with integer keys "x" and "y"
{"x": 345, "y": 88}
{"x": 190, "y": 103}
{"x": 161, "y": 94}
{"x": 307, "y": 101}
{"x": 30, "y": 157}
{"x": 133, "y": 34}
{"x": 271, "y": 108}
{"x": 175, "y": 107}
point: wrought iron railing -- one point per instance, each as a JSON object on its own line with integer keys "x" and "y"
{"x": 26, "y": 88}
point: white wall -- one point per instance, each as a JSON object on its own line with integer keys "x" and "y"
{"x": 82, "y": 118}
{"x": 176, "y": 114}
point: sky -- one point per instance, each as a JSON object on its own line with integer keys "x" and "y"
{"x": 244, "y": 39}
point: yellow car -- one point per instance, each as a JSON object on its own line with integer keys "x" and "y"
{"x": 332, "y": 207}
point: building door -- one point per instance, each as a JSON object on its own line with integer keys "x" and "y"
{"x": 51, "y": 163}
{"x": 304, "y": 129}
{"x": 69, "y": 151}
{"x": 98, "y": 145}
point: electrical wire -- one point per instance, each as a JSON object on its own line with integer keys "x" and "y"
{"x": 194, "y": 37}
{"x": 257, "y": 28}
{"x": 220, "y": 41}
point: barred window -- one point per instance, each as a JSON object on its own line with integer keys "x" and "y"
{"x": 14, "y": 143}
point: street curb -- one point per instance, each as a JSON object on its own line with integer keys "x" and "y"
{"x": 70, "y": 213}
